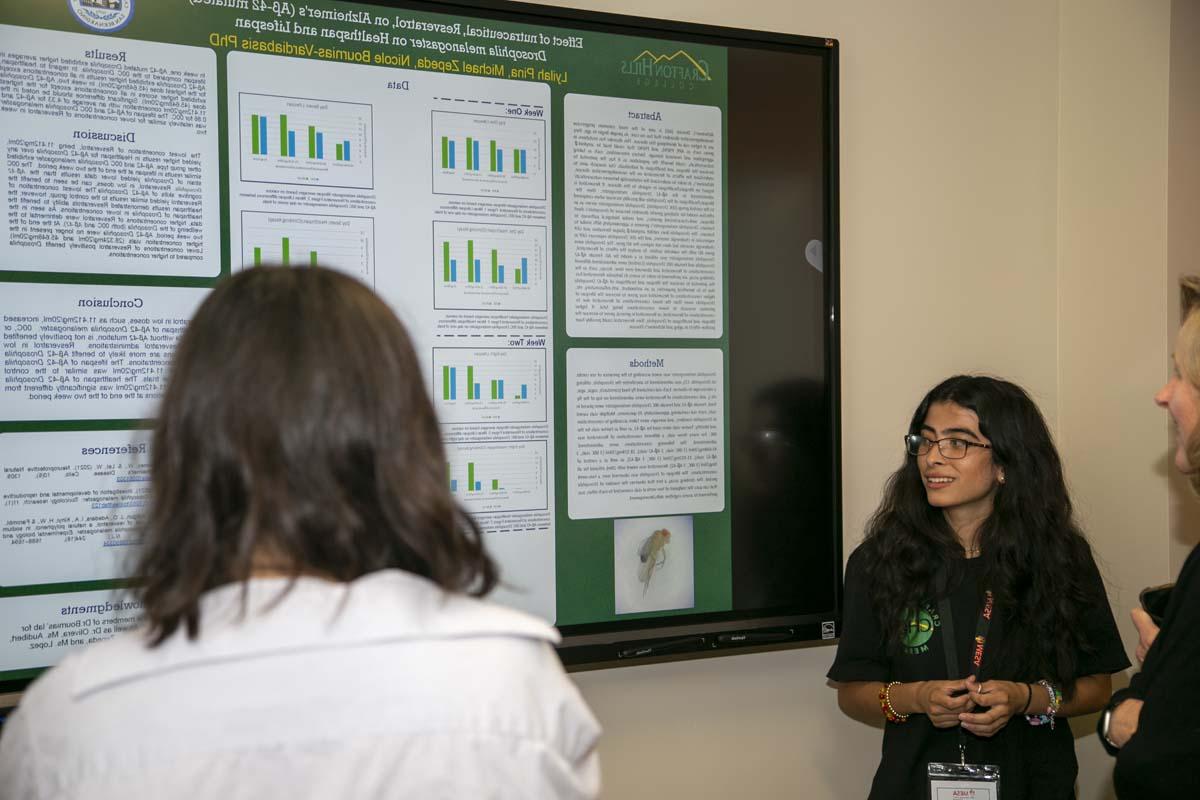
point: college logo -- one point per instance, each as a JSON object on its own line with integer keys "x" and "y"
{"x": 677, "y": 70}
{"x": 105, "y": 16}
{"x": 919, "y": 630}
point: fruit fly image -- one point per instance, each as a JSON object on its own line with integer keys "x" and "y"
{"x": 652, "y": 554}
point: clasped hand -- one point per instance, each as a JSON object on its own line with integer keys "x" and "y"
{"x": 981, "y": 708}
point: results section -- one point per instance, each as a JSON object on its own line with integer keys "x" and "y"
{"x": 433, "y": 189}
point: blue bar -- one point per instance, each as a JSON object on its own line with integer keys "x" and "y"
{"x": 478, "y": 486}
{"x": 262, "y": 135}
{"x": 451, "y": 154}
{"x": 453, "y": 382}
{"x": 523, "y": 395}
{"x": 320, "y": 145}
{"x": 454, "y": 485}
{"x": 477, "y": 270}
{"x": 346, "y": 150}
{"x": 292, "y": 144}
{"x": 499, "y": 161}
{"x": 475, "y": 146}
{"x": 453, "y": 270}
{"x": 477, "y": 391}
{"x": 501, "y": 276}
{"x": 524, "y": 270}
{"x": 500, "y": 389}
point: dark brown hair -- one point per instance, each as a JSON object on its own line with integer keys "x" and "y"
{"x": 295, "y": 433}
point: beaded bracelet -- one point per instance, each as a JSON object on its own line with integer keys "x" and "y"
{"x": 885, "y": 704}
{"x": 1028, "y": 698}
{"x": 1052, "y": 711}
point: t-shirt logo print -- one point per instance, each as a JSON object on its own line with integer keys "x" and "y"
{"x": 919, "y": 630}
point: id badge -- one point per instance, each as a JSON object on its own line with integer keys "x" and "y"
{"x": 963, "y": 781}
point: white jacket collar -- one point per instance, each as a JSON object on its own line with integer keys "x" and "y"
{"x": 385, "y": 606}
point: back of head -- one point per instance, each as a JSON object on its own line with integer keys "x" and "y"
{"x": 295, "y": 435}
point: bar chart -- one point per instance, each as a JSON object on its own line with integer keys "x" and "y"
{"x": 489, "y": 266}
{"x": 490, "y": 477}
{"x": 473, "y": 385}
{"x": 479, "y": 154}
{"x": 305, "y": 141}
{"x": 346, "y": 244}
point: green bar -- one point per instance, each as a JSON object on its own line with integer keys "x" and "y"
{"x": 495, "y": 273}
{"x": 470, "y": 260}
{"x": 258, "y": 256}
{"x": 495, "y": 484}
{"x": 287, "y": 247}
{"x": 470, "y": 153}
{"x": 312, "y": 141}
{"x": 446, "y": 261}
{"x": 470, "y": 476}
{"x": 470, "y": 383}
{"x": 517, "y": 278}
{"x": 493, "y": 147}
{"x": 445, "y": 152}
{"x": 493, "y": 389}
{"x": 254, "y": 134}
{"x": 339, "y": 151}
{"x": 283, "y": 148}
{"x": 445, "y": 383}
{"x": 312, "y": 258}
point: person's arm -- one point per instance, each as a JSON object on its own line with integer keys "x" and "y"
{"x": 1123, "y": 723}
{"x": 1092, "y": 693}
{"x": 860, "y": 700}
{"x": 941, "y": 701}
{"x": 1000, "y": 701}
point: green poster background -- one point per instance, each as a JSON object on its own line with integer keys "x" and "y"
{"x": 575, "y": 61}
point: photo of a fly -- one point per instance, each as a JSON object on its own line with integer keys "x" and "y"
{"x": 652, "y": 554}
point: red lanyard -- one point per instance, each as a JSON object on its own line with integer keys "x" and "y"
{"x": 981, "y": 633}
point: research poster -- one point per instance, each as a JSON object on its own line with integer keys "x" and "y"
{"x": 543, "y": 207}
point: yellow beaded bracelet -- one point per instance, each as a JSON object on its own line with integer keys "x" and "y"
{"x": 885, "y": 704}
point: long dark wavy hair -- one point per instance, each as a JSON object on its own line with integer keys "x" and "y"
{"x": 1031, "y": 546}
{"x": 295, "y": 434}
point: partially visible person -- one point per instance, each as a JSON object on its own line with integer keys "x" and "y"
{"x": 1150, "y": 726}
{"x": 974, "y": 612}
{"x": 308, "y": 579}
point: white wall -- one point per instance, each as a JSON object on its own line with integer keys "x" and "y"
{"x": 1003, "y": 170}
{"x": 1112, "y": 289}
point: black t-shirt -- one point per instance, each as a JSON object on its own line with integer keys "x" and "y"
{"x": 1162, "y": 760}
{"x": 1035, "y": 762}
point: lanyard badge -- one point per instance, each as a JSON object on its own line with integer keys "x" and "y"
{"x": 963, "y": 781}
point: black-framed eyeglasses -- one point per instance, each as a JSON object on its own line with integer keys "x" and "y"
{"x": 950, "y": 447}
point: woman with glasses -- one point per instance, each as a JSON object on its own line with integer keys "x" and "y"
{"x": 975, "y": 617}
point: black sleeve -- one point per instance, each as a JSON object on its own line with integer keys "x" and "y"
{"x": 1163, "y": 757}
{"x": 1106, "y": 653}
{"x": 861, "y": 655}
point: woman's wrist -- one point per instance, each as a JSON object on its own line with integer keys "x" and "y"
{"x": 906, "y": 697}
{"x": 1040, "y": 700}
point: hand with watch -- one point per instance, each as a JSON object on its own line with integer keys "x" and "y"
{"x": 1118, "y": 723}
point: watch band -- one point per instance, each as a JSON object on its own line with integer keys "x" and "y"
{"x": 1102, "y": 730}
